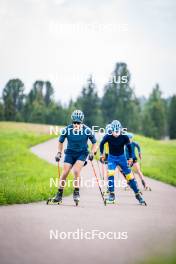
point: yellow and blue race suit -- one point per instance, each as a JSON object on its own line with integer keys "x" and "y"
{"x": 116, "y": 158}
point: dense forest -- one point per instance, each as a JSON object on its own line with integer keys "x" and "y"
{"x": 153, "y": 116}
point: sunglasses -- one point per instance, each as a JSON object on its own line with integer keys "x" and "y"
{"x": 76, "y": 123}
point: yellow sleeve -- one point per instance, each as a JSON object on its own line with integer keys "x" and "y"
{"x": 106, "y": 147}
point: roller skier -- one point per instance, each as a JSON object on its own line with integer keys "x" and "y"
{"x": 117, "y": 141}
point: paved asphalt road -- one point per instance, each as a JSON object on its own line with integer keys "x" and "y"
{"x": 25, "y": 229}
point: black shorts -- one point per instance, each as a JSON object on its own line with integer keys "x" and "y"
{"x": 106, "y": 158}
{"x": 73, "y": 157}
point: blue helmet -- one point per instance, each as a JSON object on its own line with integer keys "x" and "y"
{"x": 116, "y": 126}
{"x": 108, "y": 129}
{"x": 130, "y": 135}
{"x": 77, "y": 116}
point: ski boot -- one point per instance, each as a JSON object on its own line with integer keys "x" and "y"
{"x": 140, "y": 198}
{"x": 111, "y": 198}
{"x": 57, "y": 199}
{"x": 106, "y": 194}
{"x": 76, "y": 196}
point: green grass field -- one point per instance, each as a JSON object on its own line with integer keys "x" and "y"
{"x": 23, "y": 176}
{"x": 158, "y": 159}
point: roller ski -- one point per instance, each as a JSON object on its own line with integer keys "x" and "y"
{"x": 76, "y": 196}
{"x": 111, "y": 198}
{"x": 140, "y": 199}
{"x": 55, "y": 200}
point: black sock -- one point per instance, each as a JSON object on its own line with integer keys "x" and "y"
{"x": 60, "y": 190}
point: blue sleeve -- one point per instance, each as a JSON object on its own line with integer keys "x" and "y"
{"x": 90, "y": 134}
{"x": 129, "y": 148}
{"x": 138, "y": 147}
{"x": 63, "y": 135}
{"x": 104, "y": 140}
{"x": 126, "y": 152}
{"x": 92, "y": 138}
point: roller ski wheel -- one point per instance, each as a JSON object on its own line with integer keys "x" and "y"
{"x": 105, "y": 202}
{"x": 109, "y": 202}
{"x": 140, "y": 199}
{"x": 111, "y": 198}
{"x": 76, "y": 197}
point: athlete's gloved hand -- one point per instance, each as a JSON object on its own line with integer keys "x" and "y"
{"x": 102, "y": 158}
{"x": 58, "y": 156}
{"x": 91, "y": 156}
{"x": 130, "y": 162}
{"x": 140, "y": 156}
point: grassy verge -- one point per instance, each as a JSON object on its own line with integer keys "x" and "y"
{"x": 169, "y": 258}
{"x": 158, "y": 159}
{"x": 23, "y": 176}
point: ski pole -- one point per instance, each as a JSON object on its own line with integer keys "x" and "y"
{"x": 103, "y": 171}
{"x": 140, "y": 164}
{"x": 104, "y": 201}
{"x": 58, "y": 170}
{"x": 101, "y": 176}
{"x": 49, "y": 199}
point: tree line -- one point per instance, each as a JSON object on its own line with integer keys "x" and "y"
{"x": 153, "y": 116}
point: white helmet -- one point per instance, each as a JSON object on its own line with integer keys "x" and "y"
{"x": 77, "y": 116}
{"x": 116, "y": 126}
{"x": 108, "y": 129}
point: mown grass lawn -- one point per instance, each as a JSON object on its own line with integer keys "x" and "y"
{"x": 158, "y": 159}
{"x": 24, "y": 177}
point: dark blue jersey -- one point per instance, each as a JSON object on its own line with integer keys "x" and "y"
{"x": 77, "y": 139}
{"x": 116, "y": 144}
{"x": 134, "y": 145}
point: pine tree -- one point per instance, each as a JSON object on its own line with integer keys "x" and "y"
{"x": 156, "y": 115}
{"x": 13, "y": 96}
{"x": 172, "y": 118}
{"x": 49, "y": 93}
{"x": 89, "y": 103}
{"x": 119, "y": 101}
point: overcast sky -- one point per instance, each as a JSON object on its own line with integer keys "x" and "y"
{"x": 67, "y": 40}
